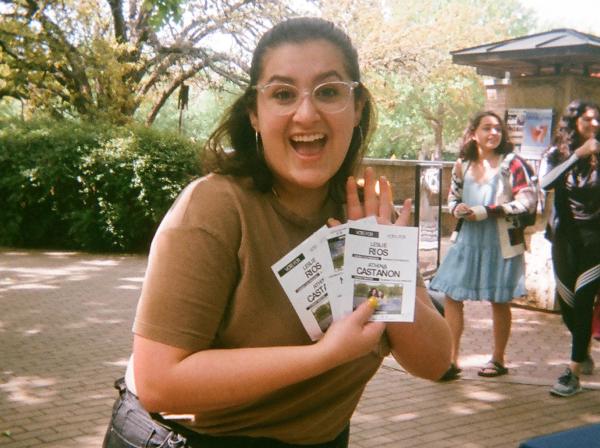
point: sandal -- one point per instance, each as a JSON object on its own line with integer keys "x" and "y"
{"x": 452, "y": 373}
{"x": 492, "y": 369}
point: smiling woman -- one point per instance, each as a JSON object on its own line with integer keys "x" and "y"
{"x": 305, "y": 142}
{"x": 284, "y": 88}
{"x": 215, "y": 336}
{"x": 489, "y": 184}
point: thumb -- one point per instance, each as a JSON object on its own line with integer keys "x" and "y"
{"x": 365, "y": 310}
{"x": 332, "y": 222}
{"x": 363, "y": 313}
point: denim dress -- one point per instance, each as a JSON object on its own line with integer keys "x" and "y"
{"x": 473, "y": 268}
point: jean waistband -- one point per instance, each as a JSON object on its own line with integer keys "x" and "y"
{"x": 192, "y": 439}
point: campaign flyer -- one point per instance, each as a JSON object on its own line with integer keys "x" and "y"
{"x": 381, "y": 261}
{"x": 341, "y": 304}
{"x": 303, "y": 273}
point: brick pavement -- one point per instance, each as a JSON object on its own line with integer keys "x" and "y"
{"x": 65, "y": 323}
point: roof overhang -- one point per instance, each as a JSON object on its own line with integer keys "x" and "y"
{"x": 552, "y": 53}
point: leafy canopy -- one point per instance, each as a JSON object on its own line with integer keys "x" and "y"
{"x": 424, "y": 99}
{"x": 104, "y": 58}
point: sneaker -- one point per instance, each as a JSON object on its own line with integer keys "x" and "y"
{"x": 567, "y": 385}
{"x": 587, "y": 366}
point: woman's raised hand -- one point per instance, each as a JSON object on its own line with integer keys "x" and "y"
{"x": 380, "y": 205}
{"x": 591, "y": 146}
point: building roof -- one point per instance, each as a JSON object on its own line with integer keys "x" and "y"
{"x": 549, "y": 53}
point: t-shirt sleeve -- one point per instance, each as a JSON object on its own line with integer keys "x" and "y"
{"x": 192, "y": 269}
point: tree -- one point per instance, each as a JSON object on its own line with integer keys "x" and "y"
{"x": 103, "y": 58}
{"x": 424, "y": 100}
{"x": 202, "y": 116}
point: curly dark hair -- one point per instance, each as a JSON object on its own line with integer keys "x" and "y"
{"x": 232, "y": 147}
{"x": 468, "y": 150}
{"x": 566, "y": 138}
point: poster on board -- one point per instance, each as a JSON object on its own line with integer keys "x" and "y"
{"x": 530, "y": 130}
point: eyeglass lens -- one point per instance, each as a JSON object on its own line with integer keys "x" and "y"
{"x": 329, "y": 97}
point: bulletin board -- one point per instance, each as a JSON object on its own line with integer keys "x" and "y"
{"x": 530, "y": 130}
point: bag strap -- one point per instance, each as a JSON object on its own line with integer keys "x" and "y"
{"x": 506, "y": 160}
{"x": 464, "y": 167}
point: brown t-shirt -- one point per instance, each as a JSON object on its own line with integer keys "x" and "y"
{"x": 209, "y": 284}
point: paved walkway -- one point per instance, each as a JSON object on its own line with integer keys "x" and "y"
{"x": 65, "y": 322}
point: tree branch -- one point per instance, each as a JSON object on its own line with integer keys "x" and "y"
{"x": 116, "y": 8}
{"x": 172, "y": 86}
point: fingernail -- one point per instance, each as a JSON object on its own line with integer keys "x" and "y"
{"x": 373, "y": 302}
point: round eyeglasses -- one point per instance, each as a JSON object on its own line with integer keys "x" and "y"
{"x": 329, "y": 97}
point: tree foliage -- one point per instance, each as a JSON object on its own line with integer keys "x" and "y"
{"x": 200, "y": 119}
{"x": 424, "y": 99}
{"x": 117, "y": 59}
{"x": 104, "y": 58}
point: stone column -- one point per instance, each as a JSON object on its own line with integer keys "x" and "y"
{"x": 539, "y": 274}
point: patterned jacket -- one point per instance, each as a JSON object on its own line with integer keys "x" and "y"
{"x": 516, "y": 194}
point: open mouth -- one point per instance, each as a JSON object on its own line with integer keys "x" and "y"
{"x": 308, "y": 144}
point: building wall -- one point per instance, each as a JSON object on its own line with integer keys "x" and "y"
{"x": 401, "y": 174}
{"x": 541, "y": 92}
{"x": 496, "y": 96}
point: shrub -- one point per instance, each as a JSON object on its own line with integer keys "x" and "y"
{"x": 88, "y": 186}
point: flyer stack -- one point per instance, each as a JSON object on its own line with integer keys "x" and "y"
{"x": 337, "y": 268}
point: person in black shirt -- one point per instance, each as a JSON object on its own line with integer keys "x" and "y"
{"x": 572, "y": 170}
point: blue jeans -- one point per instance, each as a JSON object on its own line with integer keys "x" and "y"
{"x": 131, "y": 426}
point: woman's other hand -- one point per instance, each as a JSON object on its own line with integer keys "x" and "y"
{"x": 353, "y": 336}
{"x": 376, "y": 204}
{"x": 174, "y": 380}
{"x": 462, "y": 210}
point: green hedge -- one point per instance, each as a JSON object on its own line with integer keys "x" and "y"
{"x": 87, "y": 186}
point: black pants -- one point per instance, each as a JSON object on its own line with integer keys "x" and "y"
{"x": 131, "y": 426}
{"x": 577, "y": 271}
